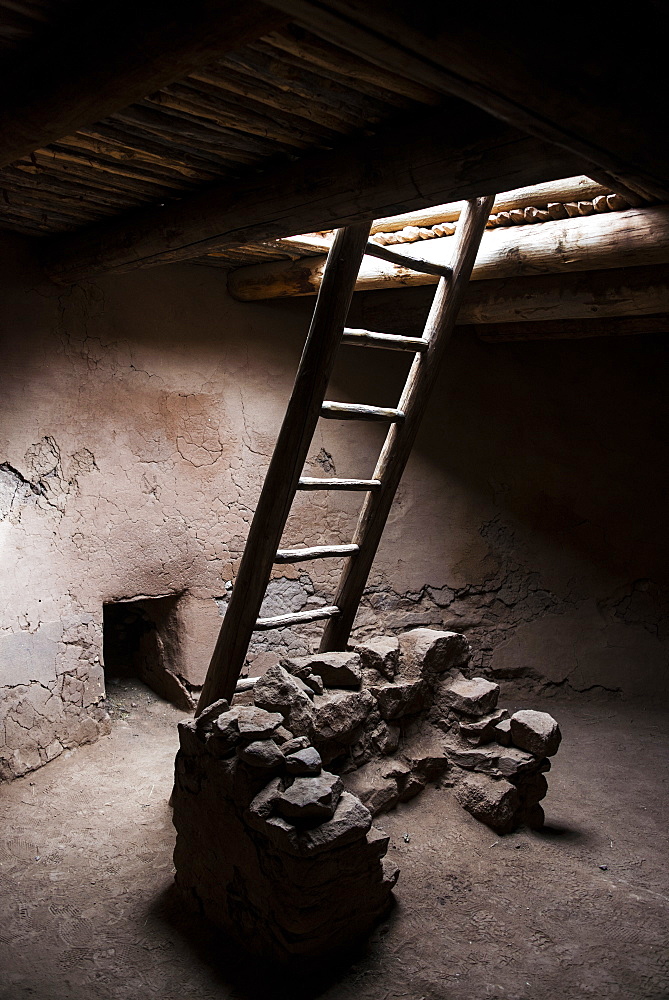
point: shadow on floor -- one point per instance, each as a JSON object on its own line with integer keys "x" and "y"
{"x": 247, "y": 975}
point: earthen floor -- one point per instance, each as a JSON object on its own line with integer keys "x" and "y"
{"x": 579, "y": 910}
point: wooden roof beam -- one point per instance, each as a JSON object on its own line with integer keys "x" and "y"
{"x": 636, "y": 237}
{"x": 532, "y": 302}
{"x": 594, "y": 92}
{"x": 103, "y": 56}
{"x": 454, "y": 152}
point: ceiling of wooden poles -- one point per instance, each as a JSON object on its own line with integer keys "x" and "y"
{"x": 261, "y": 106}
{"x": 222, "y": 127}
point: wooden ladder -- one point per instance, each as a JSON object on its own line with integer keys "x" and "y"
{"x": 307, "y": 404}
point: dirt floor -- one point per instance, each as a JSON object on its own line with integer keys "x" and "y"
{"x": 579, "y": 910}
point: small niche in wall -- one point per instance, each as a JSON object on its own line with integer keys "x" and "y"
{"x": 141, "y": 639}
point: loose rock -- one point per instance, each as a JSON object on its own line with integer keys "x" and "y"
{"x": 503, "y": 732}
{"x": 375, "y": 790}
{"x": 254, "y": 723}
{"x": 294, "y": 744}
{"x": 338, "y": 716}
{"x": 306, "y": 761}
{"x": 476, "y": 697}
{"x": 311, "y": 798}
{"x": 483, "y": 730}
{"x": 401, "y": 698}
{"x": 336, "y": 670}
{"x": 426, "y": 652}
{"x": 263, "y": 754}
{"x": 206, "y": 718}
{"x": 280, "y": 691}
{"x": 386, "y": 738}
{"x": 491, "y": 801}
{"x": 381, "y": 654}
{"x": 537, "y": 732}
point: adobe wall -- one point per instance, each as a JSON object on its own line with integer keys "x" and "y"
{"x": 139, "y": 414}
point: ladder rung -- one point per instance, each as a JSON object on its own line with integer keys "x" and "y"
{"x": 366, "y": 485}
{"x": 412, "y": 263}
{"x": 358, "y": 411}
{"x": 366, "y": 338}
{"x": 297, "y": 618}
{"x": 316, "y": 552}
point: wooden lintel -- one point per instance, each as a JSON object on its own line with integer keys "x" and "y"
{"x": 359, "y": 180}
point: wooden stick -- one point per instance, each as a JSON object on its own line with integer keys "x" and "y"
{"x": 355, "y": 485}
{"x": 416, "y": 264}
{"x": 399, "y": 441}
{"x": 358, "y": 411}
{"x": 314, "y": 552}
{"x": 288, "y": 459}
{"x": 295, "y": 618}
{"x": 366, "y": 338}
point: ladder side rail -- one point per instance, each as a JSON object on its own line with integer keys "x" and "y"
{"x": 401, "y": 436}
{"x": 285, "y": 468}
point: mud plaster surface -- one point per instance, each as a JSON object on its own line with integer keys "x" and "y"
{"x": 477, "y": 916}
{"x": 137, "y": 418}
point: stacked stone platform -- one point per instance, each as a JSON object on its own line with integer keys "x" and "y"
{"x": 269, "y": 845}
{"x": 274, "y": 797}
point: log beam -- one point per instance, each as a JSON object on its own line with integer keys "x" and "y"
{"x": 102, "y": 57}
{"x": 578, "y": 188}
{"x": 604, "y": 107}
{"x": 455, "y": 152}
{"x": 535, "y": 301}
{"x": 573, "y": 329}
{"x": 636, "y": 237}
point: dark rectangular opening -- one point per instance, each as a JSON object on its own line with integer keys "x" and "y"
{"x": 141, "y": 639}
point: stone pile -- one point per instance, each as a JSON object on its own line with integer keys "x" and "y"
{"x": 274, "y": 799}
{"x": 406, "y": 698}
{"x": 271, "y": 846}
{"x": 502, "y": 761}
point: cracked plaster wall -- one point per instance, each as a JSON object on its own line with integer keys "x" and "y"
{"x": 138, "y": 417}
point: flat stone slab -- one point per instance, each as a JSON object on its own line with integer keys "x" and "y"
{"x": 255, "y": 723}
{"x": 536, "y": 732}
{"x": 401, "y": 698}
{"x": 305, "y": 761}
{"x": 483, "y": 730}
{"x": 311, "y": 798}
{"x": 336, "y": 670}
{"x": 476, "y": 697}
{"x": 263, "y": 754}
{"x": 493, "y": 759}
